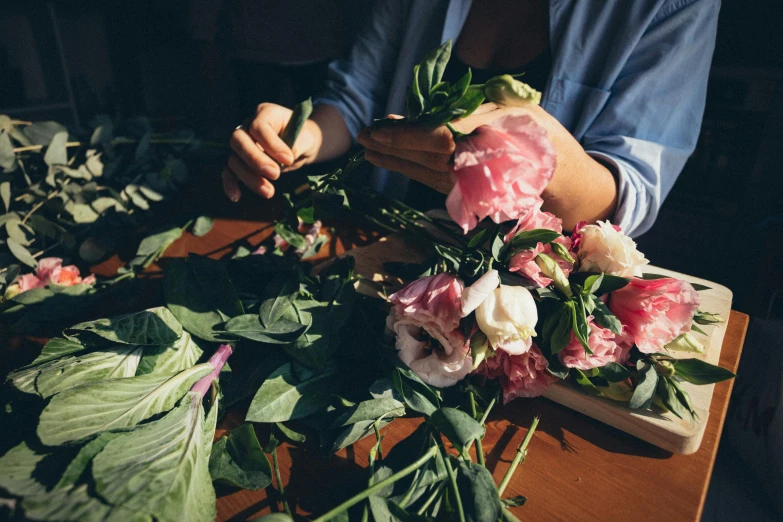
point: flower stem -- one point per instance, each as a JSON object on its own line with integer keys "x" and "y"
{"x": 479, "y": 445}
{"x": 508, "y": 516}
{"x": 519, "y": 457}
{"x": 280, "y": 488}
{"x": 454, "y": 488}
{"x": 437, "y": 491}
{"x": 378, "y": 486}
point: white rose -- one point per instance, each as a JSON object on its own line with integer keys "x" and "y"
{"x": 602, "y": 248}
{"x": 508, "y": 318}
{"x": 477, "y": 293}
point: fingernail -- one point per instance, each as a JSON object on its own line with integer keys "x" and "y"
{"x": 381, "y": 136}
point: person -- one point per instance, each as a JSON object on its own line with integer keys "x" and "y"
{"x": 624, "y": 86}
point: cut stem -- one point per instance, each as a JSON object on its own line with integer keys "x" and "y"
{"x": 454, "y": 488}
{"x": 280, "y": 488}
{"x": 519, "y": 457}
{"x": 479, "y": 445}
{"x": 378, "y": 486}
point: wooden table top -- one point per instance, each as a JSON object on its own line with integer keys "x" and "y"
{"x": 577, "y": 468}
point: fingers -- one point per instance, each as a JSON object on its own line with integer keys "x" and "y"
{"x": 262, "y": 131}
{"x": 414, "y": 137}
{"x": 230, "y": 185}
{"x": 438, "y": 180}
{"x": 433, "y": 160}
{"x": 253, "y": 155}
{"x": 258, "y": 184}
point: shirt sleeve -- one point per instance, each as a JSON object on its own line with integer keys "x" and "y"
{"x": 358, "y": 85}
{"x": 651, "y": 122}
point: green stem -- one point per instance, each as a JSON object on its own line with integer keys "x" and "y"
{"x": 437, "y": 491}
{"x": 454, "y": 132}
{"x": 378, "y": 486}
{"x": 454, "y": 488}
{"x": 479, "y": 445}
{"x": 519, "y": 457}
{"x": 280, "y": 488}
{"x": 508, "y": 516}
{"x": 127, "y": 141}
{"x": 486, "y": 412}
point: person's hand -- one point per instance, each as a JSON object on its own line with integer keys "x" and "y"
{"x": 260, "y": 155}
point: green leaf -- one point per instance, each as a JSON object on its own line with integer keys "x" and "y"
{"x": 477, "y": 238}
{"x": 585, "y": 383}
{"x": 499, "y": 248}
{"x": 557, "y": 327}
{"x": 56, "y": 348}
{"x": 416, "y": 394}
{"x": 370, "y": 410}
{"x": 43, "y": 226}
{"x": 278, "y": 297}
{"x": 706, "y": 318}
{"x": 315, "y": 348}
{"x": 171, "y": 358}
{"x": 682, "y": 396}
{"x": 202, "y": 226}
{"x": 284, "y": 397}
{"x": 249, "y": 327}
{"x": 153, "y": 326}
{"x": 645, "y": 389}
{"x": 91, "y": 409}
{"x": 162, "y": 468}
{"x": 580, "y": 327}
{"x": 531, "y": 238}
{"x": 333, "y": 442}
{"x": 76, "y": 504}
{"x": 69, "y": 371}
{"x": 700, "y": 288}
{"x": 604, "y": 317}
{"x": 79, "y": 464}
{"x": 459, "y": 427}
{"x": 697, "y": 371}
{"x": 290, "y": 434}
{"x": 301, "y": 112}
{"x": 56, "y": 152}
{"x": 432, "y": 67}
{"x": 5, "y": 194}
{"x": 614, "y": 372}
{"x": 17, "y": 468}
{"x": 238, "y": 460}
{"x": 479, "y": 496}
{"x": 21, "y": 253}
{"x": 669, "y": 397}
{"x": 608, "y": 283}
{"x": 43, "y": 132}
{"x": 199, "y": 299}
{"x": 292, "y": 237}
{"x": 153, "y": 246}
{"x": 467, "y": 103}
{"x": 7, "y": 155}
{"x": 516, "y": 501}
{"x": 414, "y": 100}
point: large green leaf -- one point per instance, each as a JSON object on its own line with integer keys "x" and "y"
{"x": 370, "y": 410}
{"x": 697, "y": 371}
{"x": 284, "y": 397}
{"x": 459, "y": 427}
{"x": 79, "y": 464}
{"x": 56, "y": 152}
{"x": 153, "y": 326}
{"x": 113, "y": 363}
{"x": 91, "y": 409}
{"x": 162, "y": 468}
{"x": 16, "y": 471}
{"x": 75, "y": 504}
{"x": 480, "y": 500}
{"x": 249, "y": 326}
{"x": 56, "y": 348}
{"x": 278, "y": 297}
{"x": 154, "y": 245}
{"x": 314, "y": 348}
{"x": 238, "y": 460}
{"x": 175, "y": 357}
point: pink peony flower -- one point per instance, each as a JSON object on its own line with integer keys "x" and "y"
{"x": 50, "y": 270}
{"x": 606, "y": 346}
{"x": 500, "y": 171}
{"x": 522, "y": 375}
{"x": 425, "y": 321}
{"x": 655, "y": 311}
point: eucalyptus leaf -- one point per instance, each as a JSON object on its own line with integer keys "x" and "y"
{"x": 5, "y": 194}
{"x": 43, "y": 132}
{"x": 162, "y": 468}
{"x": 237, "y": 459}
{"x": 83, "y": 213}
{"x": 284, "y": 397}
{"x": 153, "y": 326}
{"x": 7, "y": 155}
{"x": 21, "y": 253}
{"x": 91, "y": 409}
{"x": 56, "y": 152}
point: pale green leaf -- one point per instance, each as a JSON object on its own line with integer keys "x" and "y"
{"x": 74, "y": 504}
{"x": 21, "y": 253}
{"x": 56, "y": 152}
{"x": 162, "y": 467}
{"x": 7, "y": 155}
{"x": 180, "y": 355}
{"x": 5, "y": 194}
{"x": 56, "y": 348}
{"x": 82, "y": 213}
{"x": 16, "y": 471}
{"x": 153, "y": 326}
{"x": 202, "y": 226}
{"x": 237, "y": 459}
{"x": 82, "y": 459}
{"x": 91, "y": 409}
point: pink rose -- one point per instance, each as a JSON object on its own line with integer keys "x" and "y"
{"x": 50, "y": 270}
{"x": 606, "y": 346}
{"x": 500, "y": 171}
{"x": 522, "y": 375}
{"x": 655, "y": 311}
{"x": 425, "y": 321}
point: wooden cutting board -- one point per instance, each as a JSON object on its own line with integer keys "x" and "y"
{"x": 665, "y": 431}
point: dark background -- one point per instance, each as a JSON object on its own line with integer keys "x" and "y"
{"x": 205, "y": 64}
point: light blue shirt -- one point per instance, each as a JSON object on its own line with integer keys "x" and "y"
{"x": 628, "y": 80}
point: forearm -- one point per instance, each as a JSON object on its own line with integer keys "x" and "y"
{"x": 330, "y": 133}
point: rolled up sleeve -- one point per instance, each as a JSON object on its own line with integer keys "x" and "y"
{"x": 651, "y": 121}
{"x": 358, "y": 85}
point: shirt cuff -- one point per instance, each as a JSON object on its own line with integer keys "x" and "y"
{"x": 624, "y": 214}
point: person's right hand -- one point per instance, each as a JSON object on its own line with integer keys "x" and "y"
{"x": 260, "y": 155}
